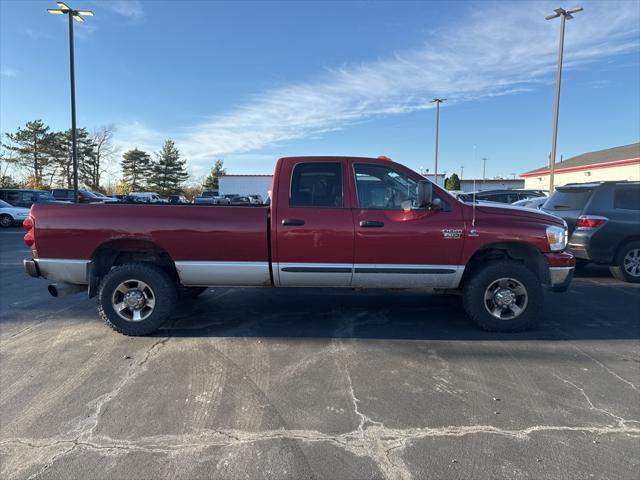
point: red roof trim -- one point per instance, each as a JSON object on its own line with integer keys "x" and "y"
{"x": 595, "y": 166}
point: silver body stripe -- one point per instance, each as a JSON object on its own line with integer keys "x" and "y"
{"x": 64, "y": 270}
{"x": 316, "y": 274}
{"x": 229, "y": 274}
{"x": 301, "y": 274}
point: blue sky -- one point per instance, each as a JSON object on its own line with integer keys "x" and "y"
{"x": 249, "y": 82}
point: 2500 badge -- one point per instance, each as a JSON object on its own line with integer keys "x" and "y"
{"x": 452, "y": 232}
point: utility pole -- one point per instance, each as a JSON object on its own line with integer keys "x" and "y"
{"x": 564, "y": 16}
{"x": 461, "y": 171}
{"x": 437, "y": 101}
{"x": 76, "y": 15}
{"x": 484, "y": 169}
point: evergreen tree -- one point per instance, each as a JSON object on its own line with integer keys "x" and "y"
{"x": 453, "y": 182}
{"x": 168, "y": 172}
{"x": 136, "y": 166}
{"x": 31, "y": 146}
{"x": 212, "y": 182}
{"x": 61, "y": 165}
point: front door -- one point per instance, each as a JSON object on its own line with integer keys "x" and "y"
{"x": 396, "y": 244}
{"x": 314, "y": 227}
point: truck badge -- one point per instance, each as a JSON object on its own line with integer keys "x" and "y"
{"x": 452, "y": 232}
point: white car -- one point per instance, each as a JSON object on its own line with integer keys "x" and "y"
{"x": 10, "y": 214}
{"x": 535, "y": 203}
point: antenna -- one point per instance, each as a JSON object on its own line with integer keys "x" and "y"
{"x": 473, "y": 207}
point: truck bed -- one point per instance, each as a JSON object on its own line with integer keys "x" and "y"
{"x": 195, "y": 237}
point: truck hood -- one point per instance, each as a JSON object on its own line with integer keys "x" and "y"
{"x": 506, "y": 209}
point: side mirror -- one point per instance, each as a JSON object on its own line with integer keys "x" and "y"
{"x": 425, "y": 193}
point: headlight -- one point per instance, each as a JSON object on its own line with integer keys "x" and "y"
{"x": 557, "y": 238}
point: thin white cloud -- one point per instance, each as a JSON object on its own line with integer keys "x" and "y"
{"x": 496, "y": 49}
{"x": 8, "y": 72}
{"x": 131, "y": 9}
{"x": 137, "y": 135}
{"x": 36, "y": 34}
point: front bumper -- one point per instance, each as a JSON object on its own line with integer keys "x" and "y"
{"x": 561, "y": 268}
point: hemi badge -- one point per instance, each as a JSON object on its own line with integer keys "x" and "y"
{"x": 452, "y": 232}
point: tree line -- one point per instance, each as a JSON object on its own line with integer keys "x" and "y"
{"x": 46, "y": 157}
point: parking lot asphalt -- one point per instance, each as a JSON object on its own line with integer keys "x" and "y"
{"x": 265, "y": 383}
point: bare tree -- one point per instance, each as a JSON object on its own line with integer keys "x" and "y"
{"x": 103, "y": 154}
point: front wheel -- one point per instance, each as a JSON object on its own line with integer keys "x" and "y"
{"x": 6, "y": 221}
{"x": 503, "y": 296}
{"x": 136, "y": 298}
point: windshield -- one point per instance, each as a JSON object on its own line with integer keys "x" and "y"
{"x": 574, "y": 199}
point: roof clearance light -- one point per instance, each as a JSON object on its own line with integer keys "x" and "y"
{"x": 384, "y": 157}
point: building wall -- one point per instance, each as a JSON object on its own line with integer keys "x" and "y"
{"x": 622, "y": 172}
{"x": 246, "y": 184}
{"x": 467, "y": 185}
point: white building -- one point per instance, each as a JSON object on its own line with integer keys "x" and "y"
{"x": 246, "y": 185}
{"x": 618, "y": 163}
{"x": 467, "y": 185}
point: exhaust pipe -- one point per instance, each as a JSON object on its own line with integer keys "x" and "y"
{"x": 64, "y": 289}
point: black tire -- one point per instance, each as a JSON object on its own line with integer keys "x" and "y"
{"x": 629, "y": 251}
{"x": 190, "y": 293}
{"x": 581, "y": 263}
{"x": 162, "y": 290}
{"x": 490, "y": 275}
{"x": 6, "y": 221}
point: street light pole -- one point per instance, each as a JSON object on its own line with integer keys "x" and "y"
{"x": 461, "y": 171}
{"x": 564, "y": 16}
{"x": 76, "y": 15}
{"x": 484, "y": 168}
{"x": 437, "y": 101}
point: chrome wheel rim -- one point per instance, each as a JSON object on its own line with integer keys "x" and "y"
{"x": 133, "y": 300}
{"x": 631, "y": 262}
{"x": 506, "y": 298}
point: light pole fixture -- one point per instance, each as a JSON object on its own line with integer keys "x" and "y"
{"x": 437, "y": 101}
{"x": 73, "y": 15}
{"x": 564, "y": 16}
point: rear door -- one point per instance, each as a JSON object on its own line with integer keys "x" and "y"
{"x": 396, "y": 244}
{"x": 313, "y": 225}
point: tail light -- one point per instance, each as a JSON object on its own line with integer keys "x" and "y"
{"x": 590, "y": 222}
{"x": 29, "y": 238}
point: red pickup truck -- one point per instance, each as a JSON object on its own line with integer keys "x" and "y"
{"x": 332, "y": 222}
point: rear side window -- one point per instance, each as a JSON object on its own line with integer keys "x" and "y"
{"x": 627, "y": 198}
{"x": 317, "y": 185}
{"x": 568, "y": 200}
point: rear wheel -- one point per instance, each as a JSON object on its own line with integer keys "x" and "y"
{"x": 136, "y": 298}
{"x": 503, "y": 296}
{"x": 6, "y": 221}
{"x": 627, "y": 263}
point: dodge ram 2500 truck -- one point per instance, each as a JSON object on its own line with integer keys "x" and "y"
{"x": 332, "y": 222}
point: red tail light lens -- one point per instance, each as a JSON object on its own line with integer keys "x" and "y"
{"x": 29, "y": 238}
{"x": 590, "y": 222}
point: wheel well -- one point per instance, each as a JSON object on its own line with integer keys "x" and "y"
{"x": 520, "y": 252}
{"x": 634, "y": 238}
{"x": 119, "y": 252}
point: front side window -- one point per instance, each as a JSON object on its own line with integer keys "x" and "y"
{"x": 381, "y": 187}
{"x": 317, "y": 185}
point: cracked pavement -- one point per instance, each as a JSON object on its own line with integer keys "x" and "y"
{"x": 258, "y": 383}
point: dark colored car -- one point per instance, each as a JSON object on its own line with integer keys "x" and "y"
{"x": 20, "y": 197}
{"x": 177, "y": 199}
{"x": 604, "y": 224}
{"x": 504, "y": 195}
{"x": 66, "y": 194}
